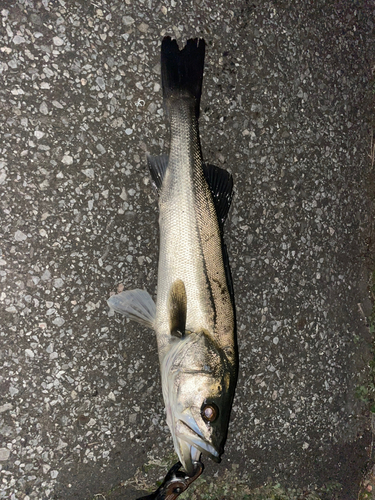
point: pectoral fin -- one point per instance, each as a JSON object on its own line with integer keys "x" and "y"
{"x": 137, "y": 305}
{"x": 177, "y": 304}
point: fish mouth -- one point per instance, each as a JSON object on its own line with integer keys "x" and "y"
{"x": 192, "y": 444}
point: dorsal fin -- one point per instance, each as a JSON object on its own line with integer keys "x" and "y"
{"x": 220, "y": 182}
{"x": 177, "y": 304}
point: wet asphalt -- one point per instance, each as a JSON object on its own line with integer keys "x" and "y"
{"x": 287, "y": 109}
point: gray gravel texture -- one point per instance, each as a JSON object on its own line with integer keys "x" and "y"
{"x": 286, "y": 108}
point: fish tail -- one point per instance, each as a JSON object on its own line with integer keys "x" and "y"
{"x": 182, "y": 70}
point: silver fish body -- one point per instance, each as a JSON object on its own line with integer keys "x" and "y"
{"x": 194, "y": 317}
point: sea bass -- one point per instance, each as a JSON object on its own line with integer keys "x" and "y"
{"x": 194, "y": 316}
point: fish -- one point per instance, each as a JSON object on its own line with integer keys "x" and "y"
{"x": 194, "y": 315}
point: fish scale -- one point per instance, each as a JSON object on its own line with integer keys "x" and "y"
{"x": 181, "y": 255}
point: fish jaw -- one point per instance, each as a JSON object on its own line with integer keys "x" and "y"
{"x": 191, "y": 444}
{"x": 189, "y": 441}
{"x": 188, "y": 455}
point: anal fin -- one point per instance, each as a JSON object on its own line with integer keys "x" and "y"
{"x": 158, "y": 166}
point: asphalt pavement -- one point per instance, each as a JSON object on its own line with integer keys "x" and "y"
{"x": 287, "y": 109}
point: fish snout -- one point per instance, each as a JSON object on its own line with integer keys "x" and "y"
{"x": 191, "y": 444}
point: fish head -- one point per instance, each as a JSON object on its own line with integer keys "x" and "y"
{"x": 198, "y": 387}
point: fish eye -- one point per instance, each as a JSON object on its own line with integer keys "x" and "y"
{"x": 209, "y": 412}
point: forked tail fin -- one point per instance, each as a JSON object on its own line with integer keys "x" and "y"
{"x": 182, "y": 70}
